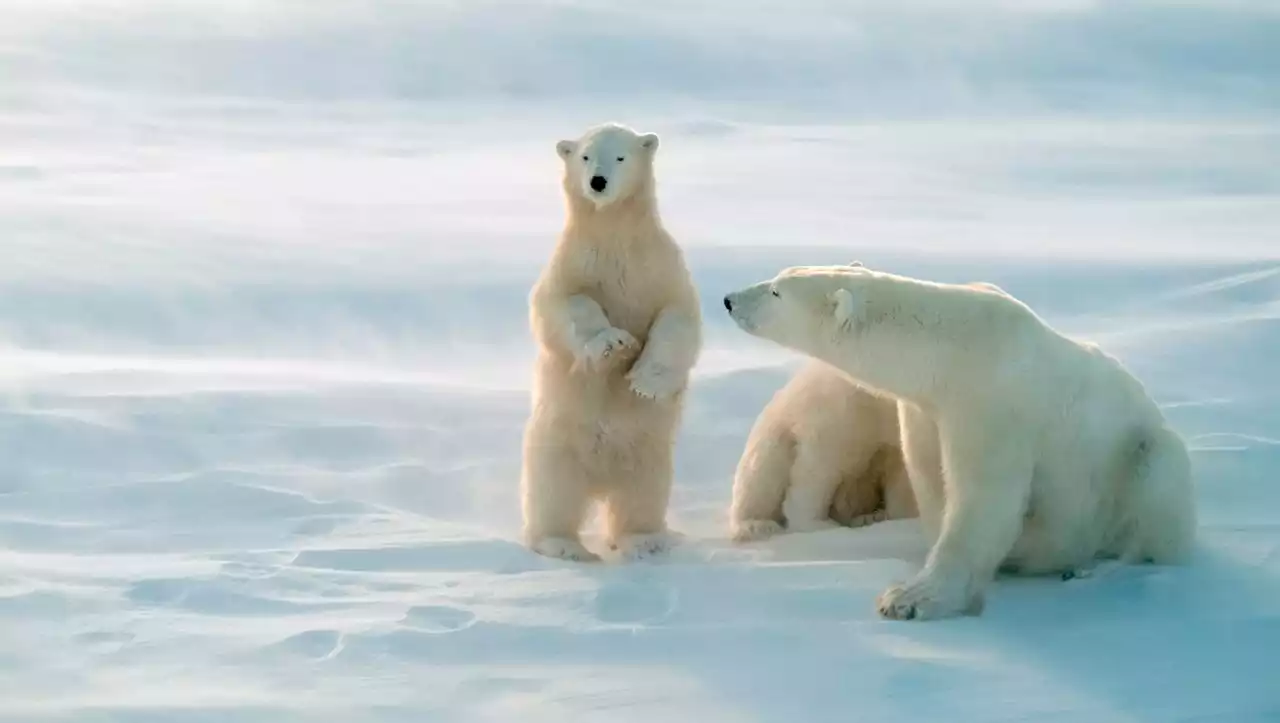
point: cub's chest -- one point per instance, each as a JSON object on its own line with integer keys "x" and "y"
{"x": 635, "y": 275}
{"x": 628, "y": 286}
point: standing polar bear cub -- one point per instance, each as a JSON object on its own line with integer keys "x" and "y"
{"x": 618, "y": 328}
{"x": 822, "y": 452}
{"x": 1026, "y": 450}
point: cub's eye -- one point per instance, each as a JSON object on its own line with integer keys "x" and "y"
{"x": 621, "y": 159}
{"x": 775, "y": 293}
{"x": 586, "y": 158}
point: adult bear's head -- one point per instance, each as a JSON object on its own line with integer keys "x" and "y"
{"x": 805, "y": 307}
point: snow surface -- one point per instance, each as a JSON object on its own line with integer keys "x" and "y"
{"x": 264, "y": 357}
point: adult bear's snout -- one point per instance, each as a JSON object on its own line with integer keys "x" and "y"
{"x": 728, "y": 304}
{"x": 598, "y": 183}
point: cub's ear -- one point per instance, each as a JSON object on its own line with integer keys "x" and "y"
{"x": 649, "y": 142}
{"x": 857, "y": 265}
{"x": 843, "y": 308}
{"x": 564, "y": 149}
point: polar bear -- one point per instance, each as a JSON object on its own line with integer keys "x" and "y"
{"x": 1026, "y": 450}
{"x": 618, "y": 328}
{"x": 822, "y": 452}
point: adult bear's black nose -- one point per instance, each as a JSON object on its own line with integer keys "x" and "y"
{"x": 728, "y": 305}
{"x": 598, "y": 183}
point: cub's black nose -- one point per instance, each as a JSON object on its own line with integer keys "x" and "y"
{"x": 598, "y": 183}
{"x": 728, "y": 305}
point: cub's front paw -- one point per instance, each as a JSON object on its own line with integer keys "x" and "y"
{"x": 605, "y": 345}
{"x": 654, "y": 381}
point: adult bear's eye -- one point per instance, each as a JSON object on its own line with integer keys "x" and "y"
{"x": 586, "y": 158}
{"x": 775, "y": 293}
{"x": 621, "y": 159}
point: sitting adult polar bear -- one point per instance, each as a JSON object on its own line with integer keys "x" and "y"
{"x": 1026, "y": 449}
{"x": 822, "y": 452}
{"x": 618, "y": 327}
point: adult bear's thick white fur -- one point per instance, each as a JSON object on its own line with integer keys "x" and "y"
{"x": 1026, "y": 449}
{"x": 617, "y": 323}
{"x": 822, "y": 452}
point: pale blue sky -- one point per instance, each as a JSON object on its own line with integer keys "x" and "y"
{"x": 1191, "y": 57}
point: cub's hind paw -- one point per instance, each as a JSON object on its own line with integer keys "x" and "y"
{"x": 638, "y": 547}
{"x": 564, "y": 549}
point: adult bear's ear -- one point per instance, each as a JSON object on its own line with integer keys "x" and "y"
{"x": 564, "y": 149}
{"x": 857, "y": 265}
{"x": 844, "y": 308}
{"x": 649, "y": 142}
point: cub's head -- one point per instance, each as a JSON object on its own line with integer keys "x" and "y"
{"x": 805, "y": 308}
{"x": 610, "y": 163}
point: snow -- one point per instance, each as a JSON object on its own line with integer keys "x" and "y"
{"x": 264, "y": 359}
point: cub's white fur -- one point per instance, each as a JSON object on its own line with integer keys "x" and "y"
{"x": 1026, "y": 449}
{"x": 617, "y": 323}
{"x": 822, "y": 452}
